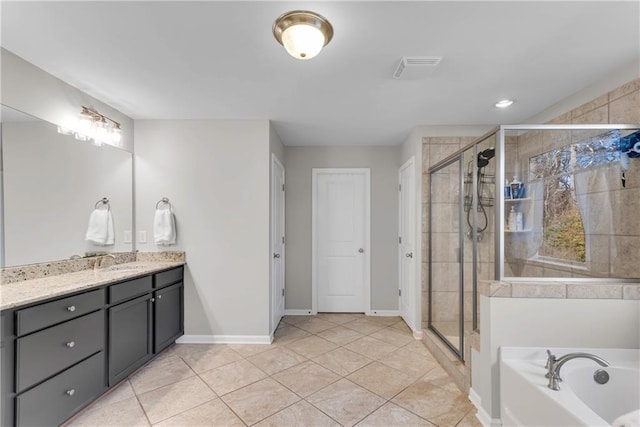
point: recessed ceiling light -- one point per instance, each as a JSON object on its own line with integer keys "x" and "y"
{"x": 504, "y": 103}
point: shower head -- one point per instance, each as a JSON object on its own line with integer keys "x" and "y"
{"x": 484, "y": 157}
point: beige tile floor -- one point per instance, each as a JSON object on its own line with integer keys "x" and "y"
{"x": 324, "y": 370}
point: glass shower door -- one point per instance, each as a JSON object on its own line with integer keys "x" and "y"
{"x": 445, "y": 254}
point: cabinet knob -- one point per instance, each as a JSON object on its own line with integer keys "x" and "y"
{"x": 153, "y": 300}
{"x": 71, "y": 344}
{"x": 71, "y": 308}
{"x": 409, "y": 255}
{"x": 70, "y": 392}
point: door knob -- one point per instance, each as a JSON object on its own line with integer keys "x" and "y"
{"x": 361, "y": 250}
{"x": 409, "y": 255}
{"x": 276, "y": 255}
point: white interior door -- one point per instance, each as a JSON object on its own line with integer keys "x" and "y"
{"x": 407, "y": 242}
{"x": 341, "y": 240}
{"x": 277, "y": 242}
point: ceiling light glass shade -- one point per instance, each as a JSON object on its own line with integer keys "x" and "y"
{"x": 303, "y": 34}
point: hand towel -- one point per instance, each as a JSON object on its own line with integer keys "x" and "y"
{"x": 164, "y": 227}
{"x": 632, "y": 419}
{"x": 100, "y": 230}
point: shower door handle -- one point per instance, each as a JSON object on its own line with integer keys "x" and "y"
{"x": 409, "y": 255}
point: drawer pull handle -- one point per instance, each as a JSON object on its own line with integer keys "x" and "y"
{"x": 70, "y": 392}
{"x": 71, "y": 308}
{"x": 71, "y": 344}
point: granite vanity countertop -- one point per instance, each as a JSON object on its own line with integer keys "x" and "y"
{"x": 31, "y": 291}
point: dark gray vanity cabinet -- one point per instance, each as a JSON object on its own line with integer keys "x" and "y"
{"x": 57, "y": 356}
{"x": 58, "y": 351}
{"x": 130, "y": 337}
{"x": 168, "y": 308}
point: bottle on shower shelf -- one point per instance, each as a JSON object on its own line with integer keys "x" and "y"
{"x": 511, "y": 221}
{"x": 516, "y": 188}
{"x": 507, "y": 190}
{"x": 519, "y": 221}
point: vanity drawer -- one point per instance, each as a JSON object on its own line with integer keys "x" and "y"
{"x": 55, "y": 400}
{"x": 168, "y": 277}
{"x": 130, "y": 289}
{"x": 51, "y": 350}
{"x": 47, "y": 314}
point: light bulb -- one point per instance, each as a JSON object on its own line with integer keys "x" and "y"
{"x": 85, "y": 123}
{"x": 101, "y": 131}
{"x": 303, "y": 41}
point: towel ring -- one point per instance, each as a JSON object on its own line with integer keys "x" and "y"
{"x": 165, "y": 201}
{"x": 103, "y": 201}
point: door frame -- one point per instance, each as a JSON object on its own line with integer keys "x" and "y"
{"x": 412, "y": 208}
{"x": 275, "y": 293}
{"x": 315, "y": 172}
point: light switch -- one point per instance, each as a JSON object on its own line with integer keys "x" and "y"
{"x": 142, "y": 236}
{"x": 128, "y": 236}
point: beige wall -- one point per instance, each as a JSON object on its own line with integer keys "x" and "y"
{"x": 216, "y": 175}
{"x": 384, "y": 164}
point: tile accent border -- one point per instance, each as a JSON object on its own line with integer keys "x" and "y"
{"x": 557, "y": 289}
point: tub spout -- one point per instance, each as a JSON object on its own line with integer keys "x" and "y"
{"x": 556, "y": 365}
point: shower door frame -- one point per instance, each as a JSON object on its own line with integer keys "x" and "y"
{"x": 458, "y": 158}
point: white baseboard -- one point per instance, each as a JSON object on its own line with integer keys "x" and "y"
{"x": 224, "y": 339}
{"x": 385, "y": 313}
{"x": 482, "y": 415}
{"x": 297, "y": 312}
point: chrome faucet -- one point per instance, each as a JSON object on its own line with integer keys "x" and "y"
{"x": 100, "y": 261}
{"x": 555, "y": 364}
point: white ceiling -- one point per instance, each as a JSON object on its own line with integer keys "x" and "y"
{"x": 219, "y": 60}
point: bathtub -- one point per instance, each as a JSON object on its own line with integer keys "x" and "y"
{"x": 525, "y": 399}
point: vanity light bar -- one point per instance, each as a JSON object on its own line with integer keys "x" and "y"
{"x": 96, "y": 127}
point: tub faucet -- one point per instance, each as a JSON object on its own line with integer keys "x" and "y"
{"x": 556, "y": 364}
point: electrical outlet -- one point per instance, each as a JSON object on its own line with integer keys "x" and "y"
{"x": 142, "y": 236}
{"x": 128, "y": 236}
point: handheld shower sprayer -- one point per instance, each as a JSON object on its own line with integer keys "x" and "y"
{"x": 484, "y": 157}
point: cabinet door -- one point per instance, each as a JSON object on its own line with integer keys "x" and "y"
{"x": 130, "y": 333}
{"x": 168, "y": 315}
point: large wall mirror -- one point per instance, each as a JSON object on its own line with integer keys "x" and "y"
{"x": 50, "y": 186}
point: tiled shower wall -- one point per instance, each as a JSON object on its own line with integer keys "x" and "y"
{"x": 621, "y": 105}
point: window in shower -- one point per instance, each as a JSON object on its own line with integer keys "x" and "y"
{"x": 555, "y": 172}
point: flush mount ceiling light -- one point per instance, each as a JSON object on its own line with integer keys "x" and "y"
{"x": 302, "y": 33}
{"x": 504, "y": 103}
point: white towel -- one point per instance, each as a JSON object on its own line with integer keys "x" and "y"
{"x": 100, "y": 230}
{"x": 632, "y": 419}
{"x": 164, "y": 227}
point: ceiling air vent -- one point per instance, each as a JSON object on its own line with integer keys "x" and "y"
{"x": 415, "y": 67}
